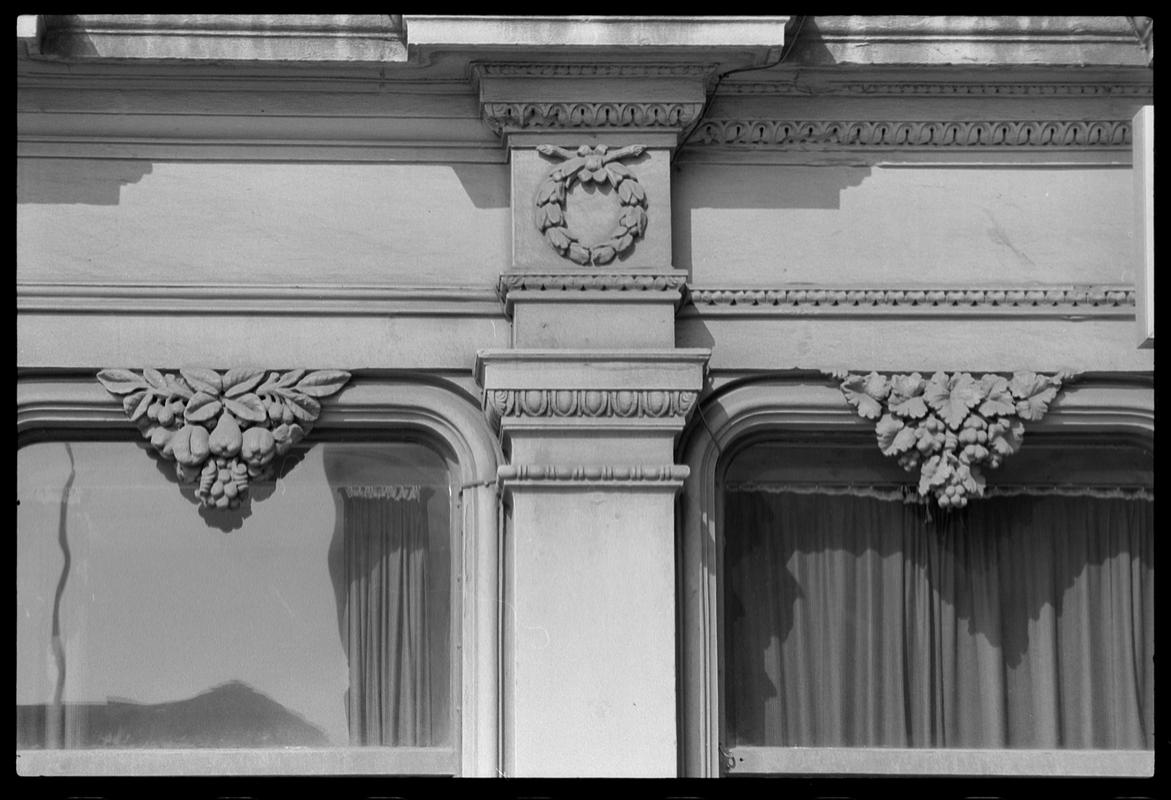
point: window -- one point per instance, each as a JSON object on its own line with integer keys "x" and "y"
{"x": 311, "y": 631}
{"x": 862, "y": 633}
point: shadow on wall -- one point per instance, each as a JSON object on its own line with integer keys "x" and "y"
{"x": 58, "y": 181}
{"x": 99, "y": 181}
{"x": 487, "y": 185}
{"x": 724, "y": 186}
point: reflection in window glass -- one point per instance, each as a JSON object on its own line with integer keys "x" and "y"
{"x": 321, "y": 619}
{"x": 857, "y": 620}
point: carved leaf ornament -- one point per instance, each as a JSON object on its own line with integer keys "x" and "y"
{"x": 222, "y": 430}
{"x": 591, "y": 165}
{"x": 951, "y": 427}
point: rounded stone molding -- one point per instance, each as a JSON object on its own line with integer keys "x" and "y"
{"x": 53, "y": 406}
{"x": 1110, "y": 405}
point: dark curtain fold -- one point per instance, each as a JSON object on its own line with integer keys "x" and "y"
{"x": 385, "y": 617}
{"x": 1019, "y": 622}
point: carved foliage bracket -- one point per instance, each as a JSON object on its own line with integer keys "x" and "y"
{"x": 591, "y": 165}
{"x": 222, "y": 430}
{"x": 951, "y": 427}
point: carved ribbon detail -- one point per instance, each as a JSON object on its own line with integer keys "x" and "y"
{"x": 222, "y": 430}
{"x": 591, "y": 165}
{"x": 951, "y": 426}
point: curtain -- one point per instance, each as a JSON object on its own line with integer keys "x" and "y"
{"x": 1017, "y": 622}
{"x": 385, "y": 615}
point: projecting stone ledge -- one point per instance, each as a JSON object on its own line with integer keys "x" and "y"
{"x": 226, "y": 37}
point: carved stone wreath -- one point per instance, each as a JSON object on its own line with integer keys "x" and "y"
{"x": 951, "y": 426}
{"x": 222, "y": 430}
{"x": 591, "y": 165}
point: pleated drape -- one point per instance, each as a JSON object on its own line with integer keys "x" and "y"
{"x": 385, "y": 617}
{"x": 1018, "y": 622}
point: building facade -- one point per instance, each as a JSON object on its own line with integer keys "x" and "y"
{"x": 585, "y": 396}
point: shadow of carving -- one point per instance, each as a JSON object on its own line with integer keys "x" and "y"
{"x": 66, "y": 181}
{"x": 487, "y": 185}
{"x": 730, "y": 186}
{"x": 231, "y": 519}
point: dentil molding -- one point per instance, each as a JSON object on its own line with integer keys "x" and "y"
{"x": 1015, "y": 296}
{"x": 590, "y": 281}
{"x": 1096, "y": 301}
{"x": 951, "y": 426}
{"x": 222, "y": 430}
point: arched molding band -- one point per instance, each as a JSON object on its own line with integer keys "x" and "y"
{"x": 1098, "y": 405}
{"x": 51, "y": 406}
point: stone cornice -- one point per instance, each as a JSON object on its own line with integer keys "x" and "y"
{"x": 948, "y": 40}
{"x": 918, "y": 134}
{"x": 377, "y": 38}
{"x": 1108, "y": 301}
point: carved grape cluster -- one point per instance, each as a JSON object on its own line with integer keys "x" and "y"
{"x": 951, "y": 426}
{"x": 222, "y": 430}
{"x": 590, "y": 165}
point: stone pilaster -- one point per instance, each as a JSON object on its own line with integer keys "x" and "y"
{"x": 588, "y": 403}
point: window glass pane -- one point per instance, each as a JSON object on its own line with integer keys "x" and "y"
{"x": 1021, "y": 621}
{"x": 322, "y": 618}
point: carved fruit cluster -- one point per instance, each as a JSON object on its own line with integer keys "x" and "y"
{"x": 591, "y": 165}
{"x": 949, "y": 427}
{"x": 222, "y": 430}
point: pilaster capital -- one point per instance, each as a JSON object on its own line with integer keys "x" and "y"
{"x": 553, "y": 387}
{"x": 588, "y": 410}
